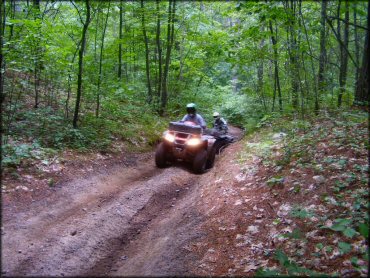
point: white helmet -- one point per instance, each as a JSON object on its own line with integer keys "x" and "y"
{"x": 216, "y": 114}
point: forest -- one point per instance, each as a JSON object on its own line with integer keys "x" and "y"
{"x": 83, "y": 74}
{"x": 104, "y": 78}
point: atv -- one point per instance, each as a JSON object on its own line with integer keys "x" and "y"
{"x": 187, "y": 142}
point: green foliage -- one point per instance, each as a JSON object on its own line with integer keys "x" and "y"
{"x": 275, "y": 181}
{"x": 299, "y": 212}
{"x": 16, "y": 152}
{"x": 295, "y": 234}
{"x": 288, "y": 267}
{"x": 363, "y": 229}
{"x": 344, "y": 247}
{"x": 214, "y": 63}
{"x": 344, "y": 226}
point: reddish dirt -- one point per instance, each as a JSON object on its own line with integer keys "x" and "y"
{"x": 102, "y": 215}
{"x": 121, "y": 216}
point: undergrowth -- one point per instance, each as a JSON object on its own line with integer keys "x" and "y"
{"x": 40, "y": 133}
{"x": 332, "y": 149}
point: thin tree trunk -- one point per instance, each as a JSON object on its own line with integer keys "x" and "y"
{"x": 170, "y": 38}
{"x": 274, "y": 95}
{"x": 357, "y": 39}
{"x": 311, "y": 55}
{"x": 159, "y": 51}
{"x": 277, "y": 80}
{"x": 260, "y": 75}
{"x": 362, "y": 94}
{"x": 80, "y": 64}
{"x": 134, "y": 59}
{"x": 96, "y": 36}
{"x": 322, "y": 59}
{"x": 11, "y": 16}
{"x": 299, "y": 40}
{"x": 343, "y": 57}
{"x": 125, "y": 63}
{"x": 69, "y": 84}
{"x": 293, "y": 50}
{"x": 2, "y": 60}
{"x": 101, "y": 63}
{"x": 120, "y": 40}
{"x": 37, "y": 64}
{"x": 147, "y": 59}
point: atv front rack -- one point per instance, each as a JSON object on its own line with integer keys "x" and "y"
{"x": 181, "y": 127}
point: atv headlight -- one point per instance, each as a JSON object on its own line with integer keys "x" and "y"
{"x": 194, "y": 142}
{"x": 169, "y": 137}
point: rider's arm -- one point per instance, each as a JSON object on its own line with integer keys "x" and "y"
{"x": 184, "y": 118}
{"x": 224, "y": 124}
{"x": 202, "y": 121}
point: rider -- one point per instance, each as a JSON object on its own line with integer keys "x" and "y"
{"x": 192, "y": 116}
{"x": 219, "y": 124}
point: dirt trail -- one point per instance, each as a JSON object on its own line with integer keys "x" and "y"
{"x": 136, "y": 220}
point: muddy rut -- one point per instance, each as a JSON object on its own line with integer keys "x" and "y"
{"x": 128, "y": 221}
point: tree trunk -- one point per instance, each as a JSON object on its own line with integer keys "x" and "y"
{"x": 311, "y": 55}
{"x": 293, "y": 51}
{"x": 101, "y": 63}
{"x": 343, "y": 56}
{"x": 170, "y": 38}
{"x": 80, "y": 64}
{"x": 276, "y": 75}
{"x": 37, "y": 65}
{"x": 147, "y": 59}
{"x": 322, "y": 59}
{"x": 362, "y": 95}
{"x": 357, "y": 39}
{"x": 69, "y": 89}
{"x": 2, "y": 60}
{"x": 159, "y": 51}
{"x": 96, "y": 36}
{"x": 260, "y": 75}
{"x": 120, "y": 40}
{"x": 11, "y": 16}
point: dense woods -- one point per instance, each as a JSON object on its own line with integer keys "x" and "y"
{"x": 87, "y": 89}
{"x": 81, "y": 74}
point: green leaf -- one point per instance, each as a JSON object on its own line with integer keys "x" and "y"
{"x": 354, "y": 261}
{"x": 349, "y": 232}
{"x": 364, "y": 229}
{"x": 340, "y": 224}
{"x": 319, "y": 246}
{"x": 296, "y": 233}
{"x": 282, "y": 258}
{"x": 266, "y": 272}
{"x": 344, "y": 247}
{"x": 337, "y": 228}
{"x": 299, "y": 212}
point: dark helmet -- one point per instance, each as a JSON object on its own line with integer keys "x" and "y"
{"x": 191, "y": 108}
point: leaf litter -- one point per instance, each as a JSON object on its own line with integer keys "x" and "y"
{"x": 314, "y": 204}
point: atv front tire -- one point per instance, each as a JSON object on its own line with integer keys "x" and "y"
{"x": 211, "y": 158}
{"x": 199, "y": 162}
{"x": 161, "y": 156}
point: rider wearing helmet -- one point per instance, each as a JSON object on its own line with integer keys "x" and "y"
{"x": 219, "y": 124}
{"x": 192, "y": 116}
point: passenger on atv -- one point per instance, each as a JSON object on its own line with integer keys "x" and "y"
{"x": 219, "y": 124}
{"x": 220, "y": 132}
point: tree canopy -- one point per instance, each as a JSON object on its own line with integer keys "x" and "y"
{"x": 112, "y": 68}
